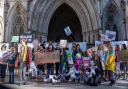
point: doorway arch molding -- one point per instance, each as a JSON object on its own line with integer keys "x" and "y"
{"x": 43, "y": 11}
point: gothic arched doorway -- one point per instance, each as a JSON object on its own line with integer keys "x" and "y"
{"x": 62, "y": 17}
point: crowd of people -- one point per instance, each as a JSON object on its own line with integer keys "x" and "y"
{"x": 105, "y": 60}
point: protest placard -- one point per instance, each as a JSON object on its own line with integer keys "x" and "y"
{"x": 98, "y": 43}
{"x": 15, "y": 39}
{"x": 82, "y": 46}
{"x": 6, "y": 44}
{"x": 110, "y": 35}
{"x": 63, "y": 43}
{"x": 67, "y": 30}
{"x": 26, "y": 36}
{"x": 102, "y": 37}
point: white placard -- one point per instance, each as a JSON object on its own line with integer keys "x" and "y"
{"x": 69, "y": 45}
{"x": 120, "y": 43}
{"x": 82, "y": 46}
{"x": 6, "y": 44}
{"x": 98, "y": 43}
{"x": 102, "y": 37}
{"x": 63, "y": 43}
{"x": 110, "y": 35}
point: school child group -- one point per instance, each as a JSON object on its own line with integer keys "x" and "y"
{"x": 105, "y": 63}
{"x": 110, "y": 62}
{"x": 113, "y": 61}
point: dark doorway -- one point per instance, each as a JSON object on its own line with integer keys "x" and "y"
{"x": 62, "y": 17}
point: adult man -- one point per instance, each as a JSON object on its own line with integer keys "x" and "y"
{"x": 22, "y": 61}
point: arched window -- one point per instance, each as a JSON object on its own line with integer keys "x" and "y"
{"x": 19, "y": 24}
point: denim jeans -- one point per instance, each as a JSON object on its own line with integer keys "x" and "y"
{"x": 61, "y": 68}
{"x": 11, "y": 74}
{"x": 126, "y": 71}
{"x": 50, "y": 68}
{"x": 3, "y": 71}
{"x": 22, "y": 73}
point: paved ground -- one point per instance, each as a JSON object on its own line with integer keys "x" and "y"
{"x": 121, "y": 84}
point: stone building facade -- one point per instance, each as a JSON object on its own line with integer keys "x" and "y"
{"x": 46, "y": 19}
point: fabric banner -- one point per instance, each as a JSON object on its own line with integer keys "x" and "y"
{"x": 47, "y": 57}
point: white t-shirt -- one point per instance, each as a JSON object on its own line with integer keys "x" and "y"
{"x": 2, "y": 53}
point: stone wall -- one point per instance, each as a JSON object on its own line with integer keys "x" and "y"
{"x": 36, "y": 15}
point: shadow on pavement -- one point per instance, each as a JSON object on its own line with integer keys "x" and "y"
{"x": 4, "y": 87}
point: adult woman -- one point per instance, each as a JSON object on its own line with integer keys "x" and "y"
{"x": 110, "y": 65}
{"x": 100, "y": 61}
{"x": 124, "y": 60}
{"x": 11, "y": 65}
{"x": 50, "y": 48}
{"x": 3, "y": 65}
{"x": 117, "y": 60}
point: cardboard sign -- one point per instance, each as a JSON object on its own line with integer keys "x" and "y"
{"x": 63, "y": 43}
{"x": 47, "y": 57}
{"x": 15, "y": 39}
{"x": 67, "y": 31}
{"x": 110, "y": 35}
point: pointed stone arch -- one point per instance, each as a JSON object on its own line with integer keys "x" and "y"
{"x": 42, "y": 14}
{"x": 17, "y": 13}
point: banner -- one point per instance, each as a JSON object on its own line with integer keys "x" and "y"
{"x": 47, "y": 57}
{"x": 120, "y": 43}
{"x": 67, "y": 31}
{"x": 110, "y": 35}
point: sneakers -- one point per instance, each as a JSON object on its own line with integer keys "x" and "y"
{"x": 112, "y": 83}
{"x": 22, "y": 84}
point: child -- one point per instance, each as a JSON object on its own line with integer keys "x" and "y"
{"x": 78, "y": 61}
